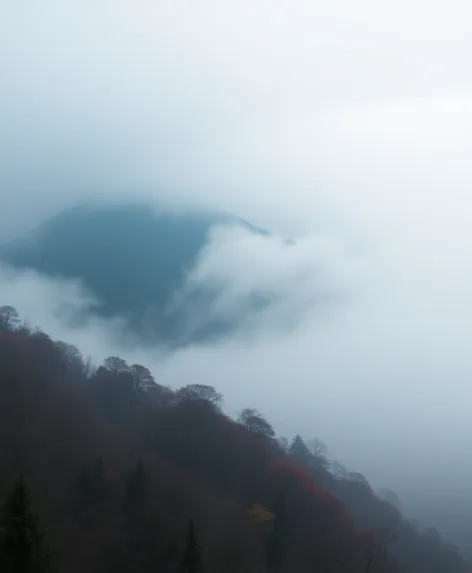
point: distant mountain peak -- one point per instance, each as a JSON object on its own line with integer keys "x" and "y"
{"x": 133, "y": 257}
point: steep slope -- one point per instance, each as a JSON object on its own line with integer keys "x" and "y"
{"x": 133, "y": 260}
{"x": 119, "y": 465}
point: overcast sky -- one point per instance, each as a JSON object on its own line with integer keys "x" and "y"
{"x": 346, "y": 124}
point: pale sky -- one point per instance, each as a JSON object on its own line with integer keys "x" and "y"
{"x": 347, "y": 124}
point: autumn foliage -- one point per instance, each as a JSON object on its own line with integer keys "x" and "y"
{"x": 120, "y": 465}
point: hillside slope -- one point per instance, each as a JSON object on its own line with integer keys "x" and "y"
{"x": 118, "y": 465}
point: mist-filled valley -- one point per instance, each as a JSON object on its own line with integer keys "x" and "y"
{"x": 261, "y": 212}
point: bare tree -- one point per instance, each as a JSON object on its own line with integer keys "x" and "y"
{"x": 284, "y": 443}
{"x": 317, "y": 447}
{"x": 115, "y": 364}
{"x": 339, "y": 470}
{"x": 142, "y": 377}
{"x": 72, "y": 357}
{"x": 255, "y": 422}
{"x": 318, "y": 450}
{"x": 246, "y": 414}
{"x": 194, "y": 392}
{"x": 9, "y": 317}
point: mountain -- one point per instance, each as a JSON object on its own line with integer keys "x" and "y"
{"x": 128, "y": 475}
{"x": 134, "y": 260}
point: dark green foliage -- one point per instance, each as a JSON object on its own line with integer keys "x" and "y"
{"x": 299, "y": 451}
{"x": 22, "y": 545}
{"x": 191, "y": 561}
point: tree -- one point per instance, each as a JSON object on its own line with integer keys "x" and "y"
{"x": 318, "y": 450}
{"x": 339, "y": 470}
{"x": 140, "y": 382}
{"x": 191, "y": 561}
{"x": 142, "y": 378}
{"x": 390, "y": 496}
{"x": 284, "y": 443}
{"x": 115, "y": 364}
{"x": 317, "y": 447}
{"x": 72, "y": 357}
{"x": 255, "y": 423}
{"x": 9, "y": 318}
{"x": 298, "y": 450}
{"x": 22, "y": 545}
{"x": 194, "y": 392}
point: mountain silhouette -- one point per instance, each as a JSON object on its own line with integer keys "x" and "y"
{"x": 134, "y": 260}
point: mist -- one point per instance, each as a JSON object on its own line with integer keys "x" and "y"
{"x": 345, "y": 128}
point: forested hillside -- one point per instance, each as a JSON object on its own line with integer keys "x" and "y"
{"x": 124, "y": 474}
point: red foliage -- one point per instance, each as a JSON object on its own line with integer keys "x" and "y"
{"x": 199, "y": 464}
{"x": 303, "y": 481}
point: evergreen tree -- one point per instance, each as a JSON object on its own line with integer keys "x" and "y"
{"x": 299, "y": 451}
{"x": 22, "y": 545}
{"x": 191, "y": 561}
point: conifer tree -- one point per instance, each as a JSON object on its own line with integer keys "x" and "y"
{"x": 22, "y": 545}
{"x": 299, "y": 451}
{"x": 192, "y": 558}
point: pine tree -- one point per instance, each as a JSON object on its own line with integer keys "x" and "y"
{"x": 22, "y": 546}
{"x": 299, "y": 451}
{"x": 192, "y": 558}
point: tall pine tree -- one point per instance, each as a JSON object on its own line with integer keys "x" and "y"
{"x": 22, "y": 545}
{"x": 191, "y": 561}
{"x": 299, "y": 451}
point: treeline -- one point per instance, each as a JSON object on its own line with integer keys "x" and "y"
{"x": 123, "y": 474}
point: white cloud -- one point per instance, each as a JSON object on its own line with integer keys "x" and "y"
{"x": 310, "y": 274}
{"x": 56, "y": 305}
{"x": 347, "y": 125}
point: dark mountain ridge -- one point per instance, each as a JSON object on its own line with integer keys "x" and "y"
{"x": 134, "y": 260}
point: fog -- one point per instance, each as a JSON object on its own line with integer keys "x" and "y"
{"x": 347, "y": 127}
